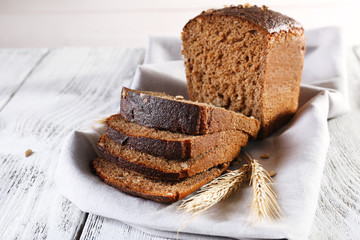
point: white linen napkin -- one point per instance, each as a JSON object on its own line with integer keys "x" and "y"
{"x": 298, "y": 153}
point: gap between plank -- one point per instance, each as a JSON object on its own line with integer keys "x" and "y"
{"x": 82, "y": 225}
{"x": 26, "y": 77}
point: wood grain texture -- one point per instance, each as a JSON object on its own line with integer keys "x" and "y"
{"x": 67, "y": 90}
{"x": 15, "y": 66}
{"x": 98, "y": 227}
{"x": 338, "y": 212}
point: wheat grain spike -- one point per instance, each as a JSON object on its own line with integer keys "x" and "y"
{"x": 264, "y": 204}
{"x": 218, "y": 190}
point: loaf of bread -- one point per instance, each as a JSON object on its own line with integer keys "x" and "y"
{"x": 161, "y": 168}
{"x": 166, "y": 144}
{"x": 154, "y": 189}
{"x": 158, "y": 110}
{"x": 246, "y": 59}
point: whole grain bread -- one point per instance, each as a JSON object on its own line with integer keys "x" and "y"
{"x": 245, "y": 59}
{"x": 157, "y": 190}
{"x": 158, "y": 110}
{"x": 161, "y": 168}
{"x": 167, "y": 144}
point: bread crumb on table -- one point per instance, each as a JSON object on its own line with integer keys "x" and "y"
{"x": 272, "y": 173}
{"x": 28, "y": 153}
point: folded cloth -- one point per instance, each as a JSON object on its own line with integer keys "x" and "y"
{"x": 297, "y": 153}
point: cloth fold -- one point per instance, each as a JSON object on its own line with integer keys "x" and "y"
{"x": 297, "y": 153}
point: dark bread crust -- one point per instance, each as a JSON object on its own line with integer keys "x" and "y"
{"x": 104, "y": 175}
{"x": 175, "y": 149}
{"x": 157, "y": 112}
{"x": 203, "y": 162}
{"x": 161, "y": 111}
{"x": 264, "y": 18}
{"x": 156, "y": 147}
{"x": 152, "y": 111}
{"x": 169, "y": 148}
{"x": 141, "y": 169}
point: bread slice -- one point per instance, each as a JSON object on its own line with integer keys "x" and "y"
{"x": 159, "y": 167}
{"x": 246, "y": 59}
{"x": 157, "y": 190}
{"x": 158, "y": 110}
{"x": 170, "y": 145}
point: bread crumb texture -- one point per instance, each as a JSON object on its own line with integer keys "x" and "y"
{"x": 246, "y": 59}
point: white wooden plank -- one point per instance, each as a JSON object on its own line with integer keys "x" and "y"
{"x": 339, "y": 196}
{"x": 15, "y": 65}
{"x": 66, "y": 91}
{"x": 337, "y": 216}
{"x": 97, "y": 227}
{"x": 27, "y": 195}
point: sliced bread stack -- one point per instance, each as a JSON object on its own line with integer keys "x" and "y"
{"x": 163, "y": 148}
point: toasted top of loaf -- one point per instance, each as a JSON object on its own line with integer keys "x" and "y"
{"x": 266, "y": 19}
{"x": 159, "y": 167}
{"x": 159, "y": 110}
{"x": 167, "y": 144}
{"x": 157, "y": 190}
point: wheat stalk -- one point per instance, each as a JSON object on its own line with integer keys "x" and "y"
{"x": 218, "y": 190}
{"x": 263, "y": 204}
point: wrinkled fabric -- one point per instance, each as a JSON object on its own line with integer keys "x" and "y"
{"x": 297, "y": 153}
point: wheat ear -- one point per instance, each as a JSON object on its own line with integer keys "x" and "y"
{"x": 217, "y": 190}
{"x": 263, "y": 204}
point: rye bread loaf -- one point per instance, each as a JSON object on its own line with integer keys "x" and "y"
{"x": 159, "y": 110}
{"x": 161, "y": 168}
{"x": 170, "y": 145}
{"x": 245, "y": 59}
{"x": 154, "y": 189}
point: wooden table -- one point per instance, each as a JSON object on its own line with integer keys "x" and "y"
{"x": 47, "y": 93}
